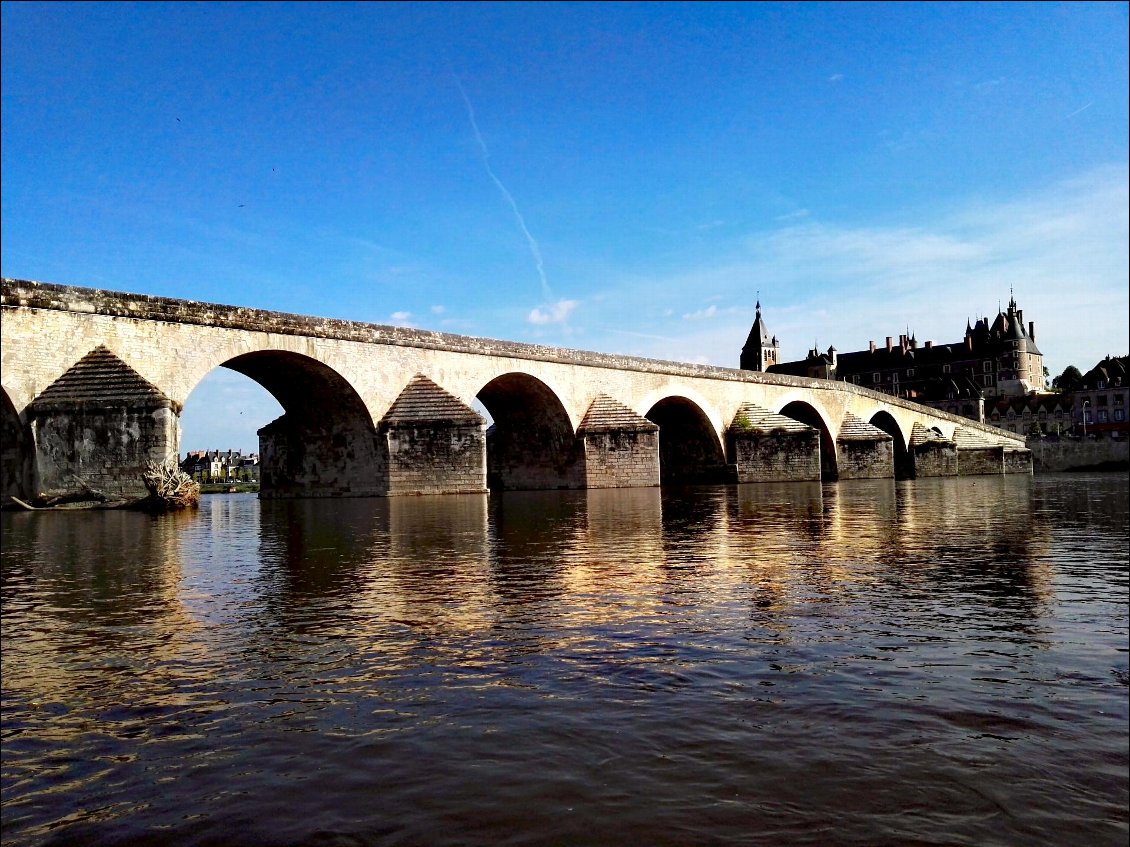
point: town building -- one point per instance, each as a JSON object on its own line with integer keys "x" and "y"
{"x": 1038, "y": 414}
{"x": 996, "y": 359}
{"x": 1101, "y": 399}
{"x": 225, "y": 465}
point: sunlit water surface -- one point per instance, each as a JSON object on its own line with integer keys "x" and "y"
{"x": 932, "y": 662}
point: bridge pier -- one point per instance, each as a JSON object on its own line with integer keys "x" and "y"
{"x": 764, "y": 447}
{"x": 977, "y": 455}
{"x": 621, "y": 449}
{"x": 864, "y": 451}
{"x": 97, "y": 428}
{"x": 435, "y": 443}
{"x": 931, "y": 453}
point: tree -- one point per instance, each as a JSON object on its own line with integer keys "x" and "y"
{"x": 1067, "y": 381}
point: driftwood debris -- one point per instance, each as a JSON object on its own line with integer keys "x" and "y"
{"x": 170, "y": 488}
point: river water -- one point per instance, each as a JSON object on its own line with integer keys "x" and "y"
{"x": 874, "y": 663}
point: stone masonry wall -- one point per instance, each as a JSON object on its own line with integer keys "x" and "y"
{"x": 866, "y": 459}
{"x": 104, "y": 449}
{"x": 436, "y": 459}
{"x": 774, "y": 457}
{"x": 979, "y": 461}
{"x": 934, "y": 459}
{"x": 1017, "y": 461}
{"x": 622, "y": 459}
{"x": 299, "y": 459}
{"x": 1065, "y": 454}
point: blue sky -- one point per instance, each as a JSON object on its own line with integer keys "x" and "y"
{"x": 626, "y": 178}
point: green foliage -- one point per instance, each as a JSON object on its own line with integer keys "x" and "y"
{"x": 741, "y": 423}
{"x": 1067, "y": 381}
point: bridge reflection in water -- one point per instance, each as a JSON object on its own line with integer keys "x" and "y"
{"x": 871, "y": 661}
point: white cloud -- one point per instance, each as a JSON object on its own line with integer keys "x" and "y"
{"x": 555, "y": 313}
{"x": 438, "y": 310}
{"x": 709, "y": 312}
{"x": 400, "y": 318}
{"x": 1061, "y": 251}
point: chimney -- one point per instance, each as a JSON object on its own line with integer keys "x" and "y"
{"x": 872, "y": 345}
{"x": 929, "y": 345}
{"x": 888, "y": 344}
{"x": 1020, "y": 316}
{"x": 1032, "y": 330}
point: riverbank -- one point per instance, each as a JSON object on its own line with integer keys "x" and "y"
{"x": 229, "y": 488}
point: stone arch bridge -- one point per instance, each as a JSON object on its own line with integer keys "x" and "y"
{"x": 94, "y": 382}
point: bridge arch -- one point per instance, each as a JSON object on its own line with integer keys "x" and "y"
{"x": 885, "y": 421}
{"x": 809, "y": 415}
{"x": 532, "y": 443}
{"x": 690, "y": 450}
{"x": 17, "y": 453}
{"x": 325, "y": 443}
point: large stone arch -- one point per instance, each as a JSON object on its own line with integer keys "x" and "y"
{"x": 18, "y": 453}
{"x": 325, "y": 443}
{"x": 806, "y": 413}
{"x": 884, "y": 420}
{"x": 532, "y": 444}
{"x": 689, "y": 448}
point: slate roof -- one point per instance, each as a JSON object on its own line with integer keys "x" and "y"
{"x": 100, "y": 378}
{"x": 752, "y": 418}
{"x": 422, "y": 401}
{"x": 607, "y": 415}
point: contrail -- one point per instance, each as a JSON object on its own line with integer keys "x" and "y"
{"x": 535, "y": 251}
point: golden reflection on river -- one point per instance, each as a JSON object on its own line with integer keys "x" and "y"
{"x": 940, "y": 661}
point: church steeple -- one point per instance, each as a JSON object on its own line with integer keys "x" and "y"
{"x": 760, "y": 351}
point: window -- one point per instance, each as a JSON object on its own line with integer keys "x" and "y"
{"x": 1118, "y": 399}
{"x": 945, "y": 369}
{"x": 1120, "y": 414}
{"x": 1100, "y": 384}
{"x": 875, "y": 377}
{"x": 895, "y": 378}
{"x": 988, "y": 380}
{"x": 988, "y": 367}
{"x": 910, "y": 371}
{"x": 1101, "y": 417}
{"x": 1100, "y": 400}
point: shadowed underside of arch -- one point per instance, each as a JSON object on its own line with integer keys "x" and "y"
{"x": 806, "y": 414}
{"x": 325, "y": 443}
{"x": 18, "y": 453}
{"x": 904, "y": 468}
{"x": 531, "y": 444}
{"x": 689, "y": 449}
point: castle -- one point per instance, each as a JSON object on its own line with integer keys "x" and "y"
{"x": 995, "y": 359}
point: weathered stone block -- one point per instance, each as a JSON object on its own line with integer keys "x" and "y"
{"x": 436, "y": 458}
{"x": 780, "y": 456}
{"x": 866, "y": 459}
